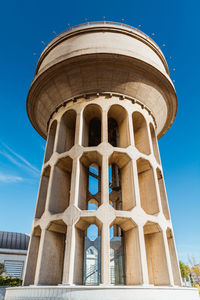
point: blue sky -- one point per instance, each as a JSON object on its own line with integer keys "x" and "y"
{"x": 23, "y": 25}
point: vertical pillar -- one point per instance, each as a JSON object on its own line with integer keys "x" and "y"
{"x": 157, "y": 190}
{"x": 105, "y": 254}
{"x": 131, "y": 133}
{"x": 169, "y": 266}
{"x": 136, "y": 183}
{"x": 57, "y": 136}
{"x": 149, "y": 137}
{"x": 104, "y": 180}
{"x": 39, "y": 260}
{"x": 49, "y": 188}
{"x": 145, "y": 276}
{"x": 104, "y": 126}
{"x": 78, "y": 129}
{"x": 75, "y": 182}
{"x": 68, "y": 268}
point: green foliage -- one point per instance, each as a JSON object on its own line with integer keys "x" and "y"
{"x": 196, "y": 270}
{"x": 9, "y": 281}
{"x": 185, "y": 270}
{"x": 2, "y": 268}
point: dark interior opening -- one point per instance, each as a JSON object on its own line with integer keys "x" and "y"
{"x": 113, "y": 132}
{"x": 94, "y": 132}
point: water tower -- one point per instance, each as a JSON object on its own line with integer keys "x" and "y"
{"x": 102, "y": 96}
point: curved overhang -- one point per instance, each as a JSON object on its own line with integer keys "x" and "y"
{"x": 67, "y": 68}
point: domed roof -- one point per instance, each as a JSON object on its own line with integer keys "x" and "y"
{"x": 14, "y": 240}
{"x": 101, "y": 57}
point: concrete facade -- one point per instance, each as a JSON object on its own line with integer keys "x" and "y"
{"x": 107, "y": 74}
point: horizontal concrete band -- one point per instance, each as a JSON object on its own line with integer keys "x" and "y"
{"x": 101, "y": 292}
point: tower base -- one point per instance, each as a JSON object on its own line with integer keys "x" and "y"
{"x": 101, "y": 292}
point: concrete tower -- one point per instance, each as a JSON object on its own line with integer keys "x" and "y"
{"x": 102, "y": 96}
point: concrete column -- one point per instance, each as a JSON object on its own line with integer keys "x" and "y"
{"x": 157, "y": 190}
{"x": 104, "y": 181}
{"x": 173, "y": 258}
{"x": 50, "y": 141}
{"x": 68, "y": 268}
{"x": 57, "y": 136}
{"x": 75, "y": 182}
{"x": 39, "y": 260}
{"x": 169, "y": 265}
{"x": 105, "y": 254}
{"x": 49, "y": 188}
{"x": 150, "y": 139}
{"x": 136, "y": 183}
{"x": 104, "y": 126}
{"x": 31, "y": 260}
{"x": 145, "y": 276}
{"x": 130, "y": 122}
{"x": 79, "y": 128}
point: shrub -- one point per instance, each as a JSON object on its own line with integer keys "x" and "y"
{"x": 2, "y": 268}
{"x": 9, "y": 281}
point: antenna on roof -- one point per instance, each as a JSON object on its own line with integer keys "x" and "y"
{"x": 153, "y": 33}
{"x": 139, "y": 25}
{"x": 42, "y": 42}
{"x": 54, "y": 32}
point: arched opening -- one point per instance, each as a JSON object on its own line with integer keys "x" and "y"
{"x": 173, "y": 257}
{"x": 50, "y": 141}
{"x": 125, "y": 263}
{"x": 147, "y": 187}
{"x": 88, "y": 253}
{"x": 43, "y": 192}
{"x": 121, "y": 182}
{"x": 66, "y": 135}
{"x": 140, "y": 133}
{"x": 156, "y": 255}
{"x": 32, "y": 256}
{"x": 154, "y": 143}
{"x": 61, "y": 186}
{"x": 115, "y": 190}
{"x": 90, "y": 181}
{"x": 118, "y": 127}
{"x": 91, "y": 126}
{"x": 52, "y": 260}
{"x": 94, "y": 187}
{"x": 163, "y": 196}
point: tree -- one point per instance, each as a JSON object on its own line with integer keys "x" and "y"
{"x": 2, "y": 268}
{"x": 195, "y": 268}
{"x": 185, "y": 271}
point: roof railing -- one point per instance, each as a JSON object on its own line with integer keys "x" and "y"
{"x": 111, "y": 23}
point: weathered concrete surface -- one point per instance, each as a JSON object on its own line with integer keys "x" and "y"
{"x": 101, "y": 292}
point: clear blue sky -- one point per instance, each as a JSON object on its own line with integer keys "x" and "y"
{"x": 23, "y": 25}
